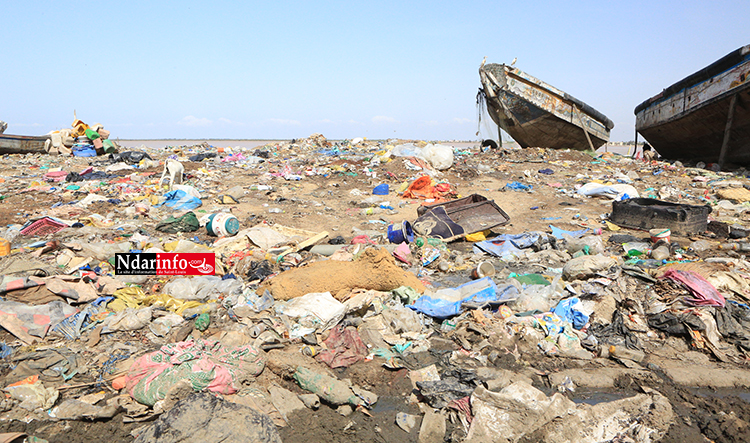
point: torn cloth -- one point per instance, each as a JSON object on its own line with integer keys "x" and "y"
{"x": 704, "y": 292}
{"x": 422, "y": 188}
{"x": 345, "y": 347}
{"x": 11, "y": 283}
{"x": 733, "y": 322}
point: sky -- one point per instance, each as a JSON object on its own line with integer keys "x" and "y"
{"x": 346, "y": 69}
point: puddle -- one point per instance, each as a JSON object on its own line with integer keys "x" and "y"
{"x": 582, "y": 396}
{"x": 390, "y": 404}
{"x": 721, "y": 393}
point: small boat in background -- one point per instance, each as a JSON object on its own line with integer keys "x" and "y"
{"x": 22, "y": 144}
{"x": 536, "y": 114}
{"x": 703, "y": 117}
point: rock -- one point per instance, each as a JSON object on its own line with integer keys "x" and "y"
{"x": 433, "y": 428}
{"x": 345, "y": 410}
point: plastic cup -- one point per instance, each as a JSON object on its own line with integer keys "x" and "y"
{"x": 483, "y": 269}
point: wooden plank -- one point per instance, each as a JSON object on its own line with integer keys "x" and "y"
{"x": 309, "y": 242}
{"x": 727, "y": 131}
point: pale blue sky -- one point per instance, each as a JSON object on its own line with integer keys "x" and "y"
{"x": 218, "y": 69}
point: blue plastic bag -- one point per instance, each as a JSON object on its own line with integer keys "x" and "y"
{"x": 566, "y": 311}
{"x": 478, "y": 292}
{"x": 180, "y": 200}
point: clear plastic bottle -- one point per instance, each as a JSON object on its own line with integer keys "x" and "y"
{"x": 591, "y": 244}
{"x": 633, "y": 249}
{"x": 701, "y": 245}
{"x": 744, "y": 246}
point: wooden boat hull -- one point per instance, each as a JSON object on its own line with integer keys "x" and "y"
{"x": 536, "y": 114}
{"x": 688, "y": 120}
{"x": 22, "y": 144}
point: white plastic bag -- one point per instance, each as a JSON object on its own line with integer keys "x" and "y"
{"x": 320, "y": 307}
{"x": 439, "y": 156}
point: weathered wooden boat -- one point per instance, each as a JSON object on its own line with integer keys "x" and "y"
{"x": 22, "y": 144}
{"x": 705, "y": 116}
{"x": 536, "y": 114}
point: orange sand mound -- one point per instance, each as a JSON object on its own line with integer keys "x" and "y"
{"x": 375, "y": 269}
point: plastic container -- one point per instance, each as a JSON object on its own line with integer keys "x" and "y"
{"x": 84, "y": 151}
{"x": 660, "y": 253}
{"x": 401, "y": 233}
{"x": 660, "y": 234}
{"x": 222, "y": 225}
{"x": 4, "y": 247}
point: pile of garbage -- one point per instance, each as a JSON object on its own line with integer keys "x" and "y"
{"x": 491, "y": 323}
{"x": 81, "y": 140}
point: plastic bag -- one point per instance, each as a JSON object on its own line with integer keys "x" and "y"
{"x": 401, "y": 319}
{"x": 538, "y": 297}
{"x": 202, "y": 287}
{"x": 127, "y": 320}
{"x": 406, "y": 150}
{"x": 320, "y": 309}
{"x": 617, "y": 191}
{"x": 33, "y": 395}
{"x": 180, "y": 200}
{"x": 587, "y": 266}
{"x": 439, "y": 156}
{"x": 590, "y": 244}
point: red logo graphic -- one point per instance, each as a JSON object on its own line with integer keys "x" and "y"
{"x": 190, "y": 263}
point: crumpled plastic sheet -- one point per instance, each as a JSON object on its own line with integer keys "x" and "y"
{"x": 560, "y": 233}
{"x": 704, "y": 292}
{"x": 566, "y": 310}
{"x": 37, "y": 319}
{"x": 486, "y": 292}
{"x": 676, "y": 323}
{"x": 180, "y": 200}
{"x": 316, "y": 308}
{"x": 615, "y": 333}
{"x": 507, "y": 245}
{"x": 11, "y": 283}
{"x": 733, "y": 322}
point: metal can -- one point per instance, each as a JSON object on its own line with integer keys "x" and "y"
{"x": 309, "y": 351}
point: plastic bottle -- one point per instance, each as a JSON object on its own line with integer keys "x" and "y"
{"x": 435, "y": 242}
{"x": 622, "y": 352}
{"x": 660, "y": 253}
{"x": 371, "y": 211}
{"x": 257, "y": 330}
{"x": 590, "y": 244}
{"x": 744, "y": 246}
{"x": 701, "y": 245}
{"x": 633, "y": 249}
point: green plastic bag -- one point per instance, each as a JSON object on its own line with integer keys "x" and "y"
{"x": 187, "y": 223}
